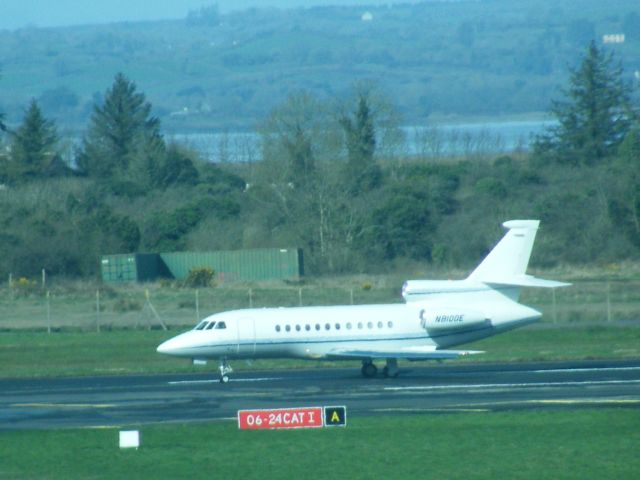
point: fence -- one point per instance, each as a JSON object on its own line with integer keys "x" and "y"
{"x": 134, "y": 306}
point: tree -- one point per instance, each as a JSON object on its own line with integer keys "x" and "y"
{"x": 402, "y": 223}
{"x": 295, "y": 135}
{"x": 119, "y": 128}
{"x": 208, "y": 16}
{"x": 34, "y": 148}
{"x": 298, "y": 190}
{"x": 363, "y": 174}
{"x": 596, "y": 115}
{"x": 177, "y": 167}
{"x": 624, "y": 205}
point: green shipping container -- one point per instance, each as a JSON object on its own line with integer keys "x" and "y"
{"x": 234, "y": 265}
{"x": 131, "y": 267}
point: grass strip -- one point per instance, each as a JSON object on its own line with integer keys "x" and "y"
{"x": 525, "y": 444}
{"x": 38, "y": 354}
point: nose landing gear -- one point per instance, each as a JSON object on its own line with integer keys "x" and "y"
{"x": 225, "y": 369}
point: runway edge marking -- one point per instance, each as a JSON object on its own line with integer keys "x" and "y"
{"x": 510, "y": 385}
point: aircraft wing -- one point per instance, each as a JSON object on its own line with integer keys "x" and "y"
{"x": 414, "y": 353}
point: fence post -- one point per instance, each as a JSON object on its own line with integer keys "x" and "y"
{"x": 98, "y": 310}
{"x": 555, "y": 311}
{"x": 300, "y": 296}
{"x": 153, "y": 311}
{"x": 250, "y": 298}
{"x": 48, "y": 312}
{"x": 608, "y": 301}
{"x": 197, "y": 305}
{"x": 351, "y": 295}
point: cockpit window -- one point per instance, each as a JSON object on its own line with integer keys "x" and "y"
{"x": 201, "y": 325}
{"x": 220, "y": 325}
{"x": 211, "y": 325}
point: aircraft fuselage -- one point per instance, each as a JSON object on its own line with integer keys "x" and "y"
{"x": 322, "y": 332}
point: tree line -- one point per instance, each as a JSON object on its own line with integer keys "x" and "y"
{"x": 327, "y": 183}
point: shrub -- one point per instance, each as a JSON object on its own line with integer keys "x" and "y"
{"x": 200, "y": 277}
{"x": 24, "y": 287}
{"x": 123, "y": 305}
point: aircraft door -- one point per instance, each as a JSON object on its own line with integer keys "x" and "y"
{"x": 246, "y": 336}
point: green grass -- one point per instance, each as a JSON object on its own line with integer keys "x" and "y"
{"x": 564, "y": 342}
{"x": 37, "y": 354}
{"x": 531, "y": 444}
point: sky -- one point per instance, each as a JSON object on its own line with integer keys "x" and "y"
{"x": 55, "y": 13}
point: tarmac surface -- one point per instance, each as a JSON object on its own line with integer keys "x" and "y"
{"x": 128, "y": 401}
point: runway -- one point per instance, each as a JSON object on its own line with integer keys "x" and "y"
{"x": 420, "y": 389}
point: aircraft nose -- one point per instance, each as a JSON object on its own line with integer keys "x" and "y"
{"x": 163, "y": 348}
{"x": 170, "y": 347}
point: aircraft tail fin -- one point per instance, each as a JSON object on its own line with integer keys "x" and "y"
{"x": 507, "y": 263}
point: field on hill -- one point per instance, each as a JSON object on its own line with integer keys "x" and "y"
{"x": 227, "y": 71}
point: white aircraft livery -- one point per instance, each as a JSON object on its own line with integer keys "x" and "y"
{"x": 436, "y": 316}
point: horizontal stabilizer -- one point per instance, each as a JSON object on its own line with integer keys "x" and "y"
{"x": 414, "y": 353}
{"x": 525, "y": 281}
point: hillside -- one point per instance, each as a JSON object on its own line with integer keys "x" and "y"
{"x": 227, "y": 71}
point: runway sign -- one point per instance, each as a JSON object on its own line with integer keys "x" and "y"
{"x": 335, "y": 416}
{"x": 308, "y": 417}
{"x": 129, "y": 439}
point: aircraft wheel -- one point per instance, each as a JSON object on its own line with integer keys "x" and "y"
{"x": 369, "y": 370}
{"x": 224, "y": 379}
{"x": 393, "y": 374}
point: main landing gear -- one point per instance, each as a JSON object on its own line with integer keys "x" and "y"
{"x": 369, "y": 370}
{"x": 391, "y": 369}
{"x": 225, "y": 369}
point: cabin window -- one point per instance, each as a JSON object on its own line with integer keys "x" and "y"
{"x": 211, "y": 325}
{"x": 277, "y": 328}
{"x": 307, "y": 327}
{"x": 369, "y": 324}
{"x": 380, "y": 324}
{"x": 327, "y": 326}
{"x": 221, "y": 326}
{"x": 297, "y": 328}
{"x": 337, "y": 326}
{"x": 359, "y": 325}
{"x": 390, "y": 324}
{"x": 288, "y": 328}
{"x": 318, "y": 326}
{"x": 348, "y": 325}
{"x": 201, "y": 325}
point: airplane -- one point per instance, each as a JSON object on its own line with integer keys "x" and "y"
{"x": 435, "y": 316}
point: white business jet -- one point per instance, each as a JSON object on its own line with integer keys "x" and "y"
{"x": 436, "y": 316}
